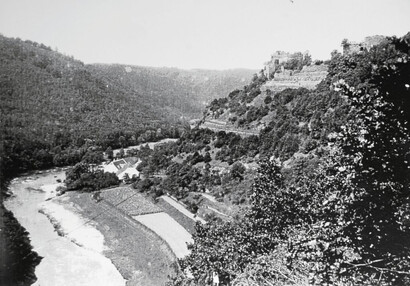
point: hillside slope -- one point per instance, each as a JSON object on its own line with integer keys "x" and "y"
{"x": 55, "y": 111}
{"x": 246, "y": 111}
{"x": 45, "y": 92}
{"x": 329, "y": 204}
{"x": 187, "y": 91}
{"x": 49, "y": 100}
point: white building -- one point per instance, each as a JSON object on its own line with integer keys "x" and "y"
{"x": 123, "y": 166}
{"x": 130, "y": 171}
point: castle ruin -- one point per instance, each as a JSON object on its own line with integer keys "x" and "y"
{"x": 278, "y": 59}
{"x": 350, "y": 47}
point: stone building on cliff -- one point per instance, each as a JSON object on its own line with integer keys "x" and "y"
{"x": 350, "y": 47}
{"x": 279, "y": 59}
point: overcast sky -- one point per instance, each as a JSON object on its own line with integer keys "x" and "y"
{"x": 212, "y": 34}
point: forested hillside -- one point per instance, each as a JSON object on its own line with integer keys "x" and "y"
{"x": 187, "y": 91}
{"x": 328, "y": 203}
{"x": 56, "y": 111}
{"x": 347, "y": 221}
{"x": 52, "y": 102}
{"x": 317, "y": 192}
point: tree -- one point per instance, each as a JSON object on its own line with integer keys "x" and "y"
{"x": 227, "y": 248}
{"x": 348, "y": 223}
{"x": 81, "y": 177}
{"x": 121, "y": 153}
{"x": 268, "y": 99}
{"x": 207, "y": 157}
{"x": 237, "y": 170}
{"x": 109, "y": 152}
{"x": 362, "y": 232}
{"x": 18, "y": 267}
{"x": 93, "y": 157}
{"x": 307, "y": 59}
{"x": 122, "y": 141}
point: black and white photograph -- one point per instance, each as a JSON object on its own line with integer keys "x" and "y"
{"x": 205, "y": 142}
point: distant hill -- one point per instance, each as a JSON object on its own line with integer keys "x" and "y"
{"x": 187, "y": 91}
{"x": 56, "y": 111}
{"x": 52, "y": 100}
{"x": 44, "y": 93}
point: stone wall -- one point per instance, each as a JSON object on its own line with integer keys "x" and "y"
{"x": 309, "y": 77}
{"x": 277, "y": 58}
{"x": 350, "y": 47}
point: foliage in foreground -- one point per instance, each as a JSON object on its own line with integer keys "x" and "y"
{"x": 347, "y": 224}
{"x": 18, "y": 260}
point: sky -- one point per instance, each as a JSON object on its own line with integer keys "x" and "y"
{"x": 208, "y": 34}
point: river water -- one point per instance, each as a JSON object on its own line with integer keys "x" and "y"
{"x": 74, "y": 259}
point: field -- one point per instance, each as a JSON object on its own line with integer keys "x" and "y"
{"x": 129, "y": 201}
{"x": 168, "y": 229}
{"x": 177, "y": 205}
{"x": 140, "y": 255}
{"x": 182, "y": 219}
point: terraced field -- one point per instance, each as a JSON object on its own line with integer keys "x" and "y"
{"x": 141, "y": 256}
{"x": 186, "y": 222}
{"x": 129, "y": 201}
{"x": 169, "y": 230}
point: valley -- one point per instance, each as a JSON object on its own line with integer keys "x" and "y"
{"x": 302, "y": 169}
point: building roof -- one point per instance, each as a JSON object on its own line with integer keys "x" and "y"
{"x": 119, "y": 163}
{"x": 131, "y": 160}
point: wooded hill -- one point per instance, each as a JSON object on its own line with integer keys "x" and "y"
{"x": 57, "y": 111}
{"x": 329, "y": 203}
{"x": 51, "y": 100}
{"x": 188, "y": 91}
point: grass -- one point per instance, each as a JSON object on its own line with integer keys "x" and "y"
{"x": 139, "y": 254}
{"x": 168, "y": 229}
{"x": 183, "y": 220}
{"x": 129, "y": 201}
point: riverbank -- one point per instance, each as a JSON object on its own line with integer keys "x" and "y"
{"x": 17, "y": 258}
{"x": 64, "y": 262}
{"x": 85, "y": 241}
{"x": 140, "y": 255}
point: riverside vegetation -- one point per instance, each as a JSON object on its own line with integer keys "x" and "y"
{"x": 330, "y": 202}
{"x": 57, "y": 111}
{"x": 320, "y": 196}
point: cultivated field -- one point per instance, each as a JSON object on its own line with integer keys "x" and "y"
{"x": 168, "y": 229}
{"x": 186, "y": 222}
{"x": 140, "y": 255}
{"x": 129, "y": 201}
{"x": 181, "y": 208}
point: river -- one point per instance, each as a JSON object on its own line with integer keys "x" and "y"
{"x": 74, "y": 259}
